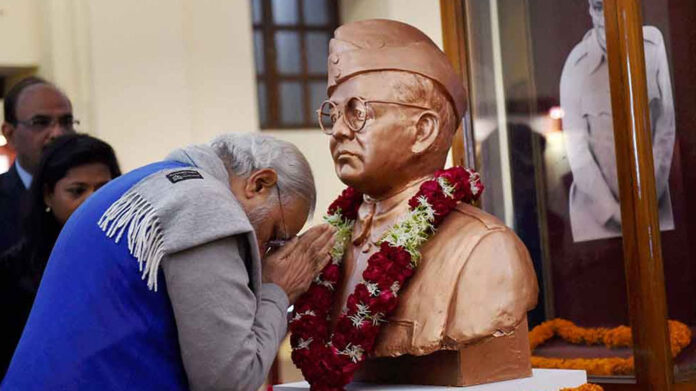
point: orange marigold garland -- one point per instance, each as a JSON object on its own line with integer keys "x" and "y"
{"x": 679, "y": 337}
{"x": 584, "y": 387}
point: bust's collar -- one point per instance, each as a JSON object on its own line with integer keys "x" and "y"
{"x": 382, "y": 213}
{"x": 391, "y": 200}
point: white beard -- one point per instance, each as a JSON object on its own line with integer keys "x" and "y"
{"x": 257, "y": 215}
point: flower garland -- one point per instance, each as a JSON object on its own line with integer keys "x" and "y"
{"x": 679, "y": 338}
{"x": 584, "y": 387}
{"x": 329, "y": 359}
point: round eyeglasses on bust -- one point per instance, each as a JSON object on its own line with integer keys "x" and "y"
{"x": 354, "y": 113}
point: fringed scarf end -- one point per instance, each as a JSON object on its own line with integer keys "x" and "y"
{"x": 133, "y": 216}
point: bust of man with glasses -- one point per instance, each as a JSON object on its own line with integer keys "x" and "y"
{"x": 35, "y": 113}
{"x": 394, "y": 105}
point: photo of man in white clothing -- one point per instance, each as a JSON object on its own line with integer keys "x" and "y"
{"x": 595, "y": 211}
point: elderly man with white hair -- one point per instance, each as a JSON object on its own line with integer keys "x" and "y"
{"x": 177, "y": 275}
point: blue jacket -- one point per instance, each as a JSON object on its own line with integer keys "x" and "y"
{"x": 76, "y": 337}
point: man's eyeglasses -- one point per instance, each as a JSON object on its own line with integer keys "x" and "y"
{"x": 354, "y": 113}
{"x": 274, "y": 244}
{"x": 42, "y": 122}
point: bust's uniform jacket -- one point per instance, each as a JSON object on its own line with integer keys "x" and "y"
{"x": 475, "y": 279}
{"x": 589, "y": 135}
{"x": 204, "y": 320}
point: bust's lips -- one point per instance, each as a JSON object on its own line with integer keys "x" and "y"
{"x": 343, "y": 154}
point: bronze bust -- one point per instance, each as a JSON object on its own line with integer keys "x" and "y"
{"x": 461, "y": 320}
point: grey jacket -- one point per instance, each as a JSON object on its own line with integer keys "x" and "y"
{"x": 229, "y": 324}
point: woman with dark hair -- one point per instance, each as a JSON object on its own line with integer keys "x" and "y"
{"x": 72, "y": 168}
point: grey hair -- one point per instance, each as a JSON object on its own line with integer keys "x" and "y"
{"x": 245, "y": 153}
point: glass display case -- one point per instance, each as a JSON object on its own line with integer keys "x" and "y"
{"x": 580, "y": 122}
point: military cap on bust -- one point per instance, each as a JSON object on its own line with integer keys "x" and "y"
{"x": 383, "y": 45}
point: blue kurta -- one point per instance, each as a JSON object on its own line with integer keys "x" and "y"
{"x": 95, "y": 324}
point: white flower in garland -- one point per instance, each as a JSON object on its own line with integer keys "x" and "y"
{"x": 304, "y": 343}
{"x": 344, "y": 230}
{"x": 474, "y": 182}
{"x": 363, "y": 310}
{"x": 299, "y": 315}
{"x": 354, "y": 352}
{"x": 373, "y": 288}
{"x": 414, "y": 230}
{"x": 378, "y": 318}
{"x": 357, "y": 320}
{"x": 428, "y": 211}
{"x": 447, "y": 189}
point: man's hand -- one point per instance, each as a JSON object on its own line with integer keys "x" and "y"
{"x": 294, "y": 266}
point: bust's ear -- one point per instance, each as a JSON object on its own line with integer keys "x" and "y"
{"x": 427, "y": 130}
{"x": 260, "y": 183}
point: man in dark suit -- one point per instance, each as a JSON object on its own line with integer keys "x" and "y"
{"x": 35, "y": 113}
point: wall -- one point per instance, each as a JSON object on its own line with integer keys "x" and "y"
{"x": 141, "y": 97}
{"x": 19, "y": 33}
{"x": 221, "y": 67}
{"x": 424, "y": 14}
{"x": 149, "y": 77}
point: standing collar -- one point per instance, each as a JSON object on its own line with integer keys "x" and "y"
{"x": 384, "y": 212}
{"x": 24, "y": 175}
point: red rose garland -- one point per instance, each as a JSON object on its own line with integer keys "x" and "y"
{"x": 329, "y": 361}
